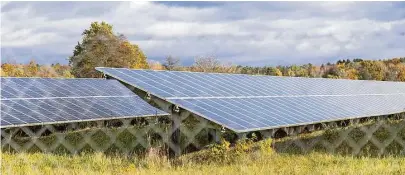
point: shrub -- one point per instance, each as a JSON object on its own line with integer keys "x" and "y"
{"x": 225, "y": 154}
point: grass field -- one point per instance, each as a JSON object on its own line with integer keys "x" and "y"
{"x": 254, "y": 163}
{"x": 246, "y": 157}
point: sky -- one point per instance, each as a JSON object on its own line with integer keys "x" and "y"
{"x": 244, "y": 33}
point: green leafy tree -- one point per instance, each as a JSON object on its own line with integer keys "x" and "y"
{"x": 100, "y": 47}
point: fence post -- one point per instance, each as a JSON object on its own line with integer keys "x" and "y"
{"x": 175, "y": 136}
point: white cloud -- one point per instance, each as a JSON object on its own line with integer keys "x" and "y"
{"x": 243, "y": 33}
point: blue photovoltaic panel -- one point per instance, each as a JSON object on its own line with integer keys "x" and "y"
{"x": 247, "y": 103}
{"x": 250, "y": 114}
{"x": 54, "y": 87}
{"x": 176, "y": 84}
{"x": 33, "y": 101}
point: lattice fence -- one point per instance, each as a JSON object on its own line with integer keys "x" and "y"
{"x": 376, "y": 136}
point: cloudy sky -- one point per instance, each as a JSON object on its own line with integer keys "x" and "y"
{"x": 254, "y": 33}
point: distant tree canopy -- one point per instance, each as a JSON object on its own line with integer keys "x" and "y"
{"x": 386, "y": 70}
{"x": 100, "y": 47}
{"x": 32, "y": 69}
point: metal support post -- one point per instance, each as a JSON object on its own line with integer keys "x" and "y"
{"x": 215, "y": 135}
{"x": 175, "y": 136}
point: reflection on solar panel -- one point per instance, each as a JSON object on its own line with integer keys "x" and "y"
{"x": 33, "y": 101}
{"x": 247, "y": 103}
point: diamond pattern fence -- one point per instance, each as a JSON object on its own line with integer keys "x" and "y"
{"x": 376, "y": 136}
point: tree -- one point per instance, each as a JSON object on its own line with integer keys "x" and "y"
{"x": 401, "y": 74}
{"x": 32, "y": 69}
{"x": 206, "y": 64}
{"x": 67, "y": 74}
{"x": 100, "y": 47}
{"x": 275, "y": 72}
{"x": 8, "y": 69}
{"x": 2, "y": 73}
{"x": 372, "y": 70}
{"x": 393, "y": 73}
{"x": 357, "y": 60}
{"x": 171, "y": 63}
{"x": 47, "y": 71}
{"x": 352, "y": 74}
{"x": 290, "y": 73}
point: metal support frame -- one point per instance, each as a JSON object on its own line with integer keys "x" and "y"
{"x": 175, "y": 116}
{"x": 215, "y": 134}
{"x": 266, "y": 134}
{"x": 175, "y": 134}
{"x": 295, "y": 130}
{"x": 241, "y": 136}
{"x": 8, "y": 135}
{"x": 311, "y": 128}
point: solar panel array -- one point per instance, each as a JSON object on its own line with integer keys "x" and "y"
{"x": 174, "y": 84}
{"x": 248, "y": 103}
{"x": 33, "y": 101}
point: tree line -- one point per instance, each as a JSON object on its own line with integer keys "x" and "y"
{"x": 357, "y": 69}
{"x": 32, "y": 69}
{"x": 101, "y": 47}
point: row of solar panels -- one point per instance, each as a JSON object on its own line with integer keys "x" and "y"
{"x": 239, "y": 102}
{"x": 177, "y": 84}
{"x": 36, "y": 101}
{"x": 52, "y": 87}
{"x": 252, "y": 114}
{"x": 248, "y": 103}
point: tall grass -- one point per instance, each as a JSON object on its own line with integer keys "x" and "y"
{"x": 250, "y": 163}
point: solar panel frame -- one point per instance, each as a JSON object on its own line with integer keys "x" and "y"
{"x": 58, "y": 106}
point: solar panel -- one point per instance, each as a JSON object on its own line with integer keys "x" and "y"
{"x": 247, "y": 103}
{"x": 54, "y": 87}
{"x": 177, "y": 84}
{"x": 35, "y": 101}
{"x": 251, "y": 114}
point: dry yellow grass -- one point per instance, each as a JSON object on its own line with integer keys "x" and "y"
{"x": 314, "y": 163}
